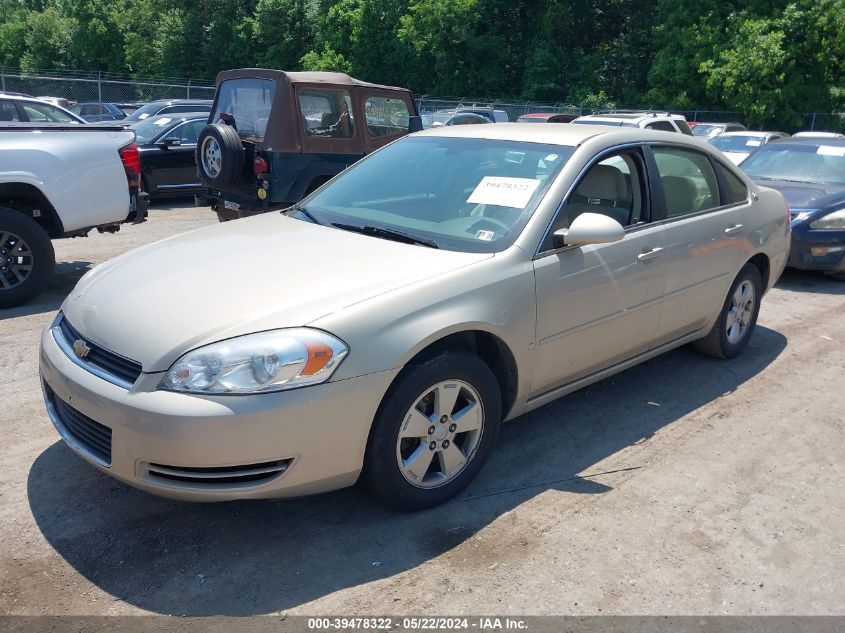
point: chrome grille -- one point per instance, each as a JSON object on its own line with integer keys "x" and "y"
{"x": 92, "y": 437}
{"x": 220, "y": 476}
{"x": 98, "y": 360}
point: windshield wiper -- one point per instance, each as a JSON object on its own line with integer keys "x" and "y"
{"x": 388, "y": 234}
{"x": 303, "y": 211}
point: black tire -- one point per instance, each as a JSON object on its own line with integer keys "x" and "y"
{"x": 36, "y": 251}
{"x": 231, "y": 156}
{"x": 381, "y": 473}
{"x": 717, "y": 343}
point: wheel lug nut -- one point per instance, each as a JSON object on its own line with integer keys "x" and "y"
{"x": 443, "y": 420}
{"x": 445, "y": 443}
{"x": 452, "y": 428}
{"x": 432, "y": 445}
{"x": 431, "y": 430}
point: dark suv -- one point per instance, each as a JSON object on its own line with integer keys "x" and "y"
{"x": 274, "y": 137}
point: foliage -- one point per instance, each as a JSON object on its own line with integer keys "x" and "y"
{"x": 768, "y": 58}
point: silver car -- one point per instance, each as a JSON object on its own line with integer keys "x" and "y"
{"x": 383, "y": 330}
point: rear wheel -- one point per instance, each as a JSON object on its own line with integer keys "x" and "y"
{"x": 434, "y": 431}
{"x": 738, "y": 318}
{"x": 26, "y": 258}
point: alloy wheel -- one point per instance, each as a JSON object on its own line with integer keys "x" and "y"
{"x": 16, "y": 261}
{"x": 440, "y": 434}
{"x": 740, "y": 313}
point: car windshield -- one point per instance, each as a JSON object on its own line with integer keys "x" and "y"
{"x": 705, "y": 129}
{"x": 811, "y": 162}
{"x": 149, "y": 128}
{"x": 737, "y": 143}
{"x": 146, "y": 110}
{"x": 249, "y": 102}
{"x": 465, "y": 194}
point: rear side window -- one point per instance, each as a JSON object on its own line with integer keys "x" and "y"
{"x": 248, "y": 101}
{"x": 663, "y": 126}
{"x": 688, "y": 181}
{"x": 8, "y": 112}
{"x": 45, "y": 113}
{"x": 326, "y": 112}
{"x": 385, "y": 116}
{"x": 734, "y": 190}
{"x": 684, "y": 127}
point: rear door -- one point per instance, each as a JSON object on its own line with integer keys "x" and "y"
{"x": 599, "y": 305}
{"x": 705, "y": 237}
{"x": 175, "y": 167}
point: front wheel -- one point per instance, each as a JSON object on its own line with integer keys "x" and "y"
{"x": 738, "y": 318}
{"x": 26, "y": 258}
{"x": 434, "y": 431}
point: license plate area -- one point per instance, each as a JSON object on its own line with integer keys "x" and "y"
{"x": 234, "y": 206}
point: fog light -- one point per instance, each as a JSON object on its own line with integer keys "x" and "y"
{"x": 822, "y": 251}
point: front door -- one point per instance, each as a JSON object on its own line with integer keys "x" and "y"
{"x": 175, "y": 166}
{"x": 599, "y": 305}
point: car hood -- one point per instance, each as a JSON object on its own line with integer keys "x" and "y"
{"x": 159, "y": 301}
{"x": 806, "y": 195}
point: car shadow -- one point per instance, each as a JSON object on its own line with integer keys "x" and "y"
{"x": 809, "y": 281}
{"x": 258, "y": 557}
{"x": 65, "y": 277}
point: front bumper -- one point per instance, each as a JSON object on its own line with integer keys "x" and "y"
{"x": 817, "y": 250}
{"x": 319, "y": 433}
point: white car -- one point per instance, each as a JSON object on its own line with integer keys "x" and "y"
{"x": 661, "y": 121}
{"x": 60, "y": 180}
{"x": 737, "y": 146}
{"x": 21, "y": 109}
{"x": 384, "y": 328}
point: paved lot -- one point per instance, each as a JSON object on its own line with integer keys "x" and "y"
{"x": 686, "y": 485}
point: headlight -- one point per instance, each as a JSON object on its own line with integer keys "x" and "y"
{"x": 258, "y": 363}
{"x": 832, "y": 221}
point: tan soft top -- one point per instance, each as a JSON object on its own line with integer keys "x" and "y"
{"x": 301, "y": 78}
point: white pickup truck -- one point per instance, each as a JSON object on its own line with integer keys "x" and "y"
{"x": 60, "y": 181}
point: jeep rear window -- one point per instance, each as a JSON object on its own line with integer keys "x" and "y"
{"x": 249, "y": 102}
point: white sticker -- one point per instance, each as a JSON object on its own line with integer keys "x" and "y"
{"x": 504, "y": 192}
{"x": 550, "y": 158}
{"x": 484, "y": 235}
{"x": 163, "y": 121}
{"x": 753, "y": 143}
{"x": 831, "y": 150}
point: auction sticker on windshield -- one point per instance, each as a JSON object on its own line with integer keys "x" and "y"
{"x": 831, "y": 150}
{"x": 504, "y": 192}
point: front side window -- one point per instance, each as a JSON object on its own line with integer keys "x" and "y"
{"x": 45, "y": 113}
{"x": 688, "y": 181}
{"x": 248, "y": 102}
{"x": 614, "y": 187}
{"x": 188, "y": 133}
{"x": 466, "y": 194}
{"x": 326, "y": 112}
{"x": 385, "y": 116}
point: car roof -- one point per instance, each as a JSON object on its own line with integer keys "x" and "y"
{"x": 537, "y": 115}
{"x": 309, "y": 77}
{"x": 755, "y": 133}
{"x": 561, "y": 134}
{"x": 179, "y": 101}
{"x": 807, "y": 140}
{"x": 632, "y": 117}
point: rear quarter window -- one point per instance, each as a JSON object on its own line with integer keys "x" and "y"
{"x": 385, "y": 116}
{"x": 733, "y": 190}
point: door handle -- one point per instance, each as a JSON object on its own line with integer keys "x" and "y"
{"x": 733, "y": 229}
{"x": 646, "y": 256}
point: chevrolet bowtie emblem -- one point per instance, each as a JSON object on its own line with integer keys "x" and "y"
{"x": 80, "y": 348}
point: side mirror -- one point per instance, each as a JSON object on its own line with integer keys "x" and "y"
{"x": 171, "y": 141}
{"x": 590, "y": 228}
{"x": 415, "y": 124}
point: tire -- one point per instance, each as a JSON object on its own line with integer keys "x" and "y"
{"x": 26, "y": 258}
{"x": 220, "y": 156}
{"x": 721, "y": 342}
{"x": 479, "y": 398}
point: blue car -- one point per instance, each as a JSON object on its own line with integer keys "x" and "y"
{"x": 810, "y": 173}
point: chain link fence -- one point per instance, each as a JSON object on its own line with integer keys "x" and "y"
{"x": 100, "y": 87}
{"x": 83, "y": 86}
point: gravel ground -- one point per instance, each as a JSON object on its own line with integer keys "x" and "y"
{"x": 683, "y": 486}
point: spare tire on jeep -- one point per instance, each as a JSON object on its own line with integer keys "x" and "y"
{"x": 220, "y": 155}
